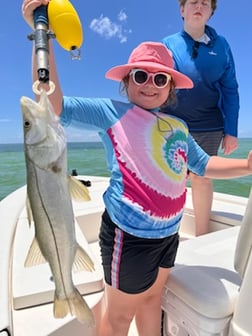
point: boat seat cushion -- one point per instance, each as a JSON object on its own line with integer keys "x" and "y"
{"x": 204, "y": 277}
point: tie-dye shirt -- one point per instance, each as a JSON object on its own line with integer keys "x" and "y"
{"x": 148, "y": 154}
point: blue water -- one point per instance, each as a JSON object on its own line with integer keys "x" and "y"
{"x": 89, "y": 159}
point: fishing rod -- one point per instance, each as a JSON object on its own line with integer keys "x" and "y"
{"x": 41, "y": 36}
{"x": 66, "y": 27}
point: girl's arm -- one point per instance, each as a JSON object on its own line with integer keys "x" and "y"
{"x": 226, "y": 168}
{"x": 56, "y": 97}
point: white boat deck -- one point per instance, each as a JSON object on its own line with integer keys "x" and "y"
{"x": 227, "y": 211}
{"x": 34, "y": 286}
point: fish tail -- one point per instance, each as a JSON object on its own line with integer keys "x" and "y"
{"x": 76, "y": 306}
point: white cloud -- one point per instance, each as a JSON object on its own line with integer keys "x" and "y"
{"x": 108, "y": 29}
{"x": 122, "y": 16}
{"x": 74, "y": 135}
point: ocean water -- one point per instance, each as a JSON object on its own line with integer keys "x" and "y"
{"x": 88, "y": 158}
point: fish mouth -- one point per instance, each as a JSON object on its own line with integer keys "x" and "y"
{"x": 26, "y": 105}
{"x": 25, "y": 100}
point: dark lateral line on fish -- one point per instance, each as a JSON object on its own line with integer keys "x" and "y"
{"x": 54, "y": 237}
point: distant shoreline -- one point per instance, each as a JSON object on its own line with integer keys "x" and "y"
{"x": 68, "y": 142}
{"x": 19, "y": 146}
{"x": 100, "y": 142}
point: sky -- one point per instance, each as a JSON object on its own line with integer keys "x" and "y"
{"x": 112, "y": 29}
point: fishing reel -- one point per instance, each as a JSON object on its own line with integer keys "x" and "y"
{"x": 66, "y": 27}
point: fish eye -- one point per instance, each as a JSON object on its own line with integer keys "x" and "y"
{"x": 27, "y": 124}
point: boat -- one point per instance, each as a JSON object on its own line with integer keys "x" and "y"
{"x": 209, "y": 291}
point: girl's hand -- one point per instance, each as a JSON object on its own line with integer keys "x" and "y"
{"x": 250, "y": 161}
{"x": 28, "y": 8}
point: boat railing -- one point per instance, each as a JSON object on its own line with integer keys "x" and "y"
{"x": 9, "y": 220}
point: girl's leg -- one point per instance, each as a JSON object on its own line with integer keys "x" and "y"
{"x": 148, "y": 315}
{"x": 135, "y": 271}
{"x": 121, "y": 308}
{"x": 120, "y": 311}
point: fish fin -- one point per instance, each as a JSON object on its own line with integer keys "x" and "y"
{"x": 78, "y": 191}
{"x": 29, "y": 211}
{"x": 34, "y": 256}
{"x": 82, "y": 261}
{"x": 76, "y": 306}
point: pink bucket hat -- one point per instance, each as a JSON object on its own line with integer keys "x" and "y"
{"x": 152, "y": 56}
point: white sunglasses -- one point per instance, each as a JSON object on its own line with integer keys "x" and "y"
{"x": 159, "y": 79}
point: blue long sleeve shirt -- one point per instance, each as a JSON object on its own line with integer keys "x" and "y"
{"x": 213, "y": 103}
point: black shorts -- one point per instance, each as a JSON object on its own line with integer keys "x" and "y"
{"x": 209, "y": 141}
{"x": 131, "y": 263}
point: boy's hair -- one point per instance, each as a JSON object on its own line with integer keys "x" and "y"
{"x": 213, "y": 3}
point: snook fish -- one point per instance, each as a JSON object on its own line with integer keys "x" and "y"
{"x": 50, "y": 206}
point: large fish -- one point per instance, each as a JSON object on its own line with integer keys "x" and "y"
{"x": 50, "y": 204}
